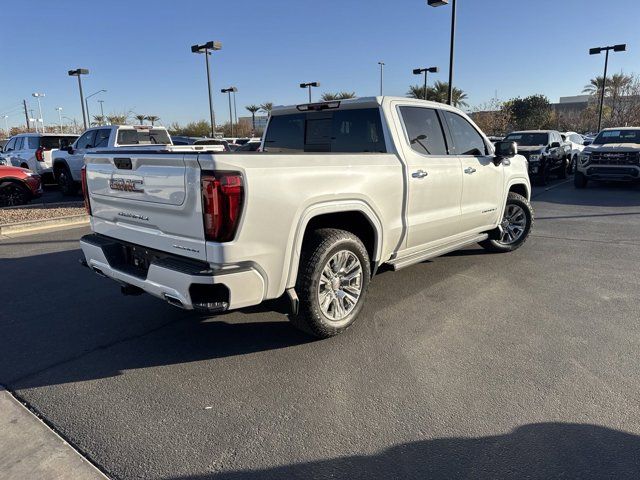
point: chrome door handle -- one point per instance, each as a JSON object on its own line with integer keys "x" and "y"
{"x": 469, "y": 170}
{"x": 419, "y": 174}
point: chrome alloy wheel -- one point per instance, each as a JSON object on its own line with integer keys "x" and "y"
{"x": 340, "y": 285}
{"x": 513, "y": 224}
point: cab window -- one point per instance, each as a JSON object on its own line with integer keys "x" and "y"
{"x": 86, "y": 140}
{"x": 466, "y": 139}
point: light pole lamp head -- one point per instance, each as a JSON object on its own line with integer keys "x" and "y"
{"x": 381, "y": 63}
{"x": 206, "y": 46}
{"x": 78, "y": 71}
{"x": 620, "y": 48}
{"x": 433, "y": 69}
{"x": 595, "y": 51}
{"x": 437, "y": 3}
{"x": 418, "y": 71}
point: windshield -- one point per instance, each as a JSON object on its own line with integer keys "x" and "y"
{"x": 617, "y": 136}
{"x": 528, "y": 139}
{"x": 153, "y": 136}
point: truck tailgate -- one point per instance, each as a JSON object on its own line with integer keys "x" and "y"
{"x": 151, "y": 199}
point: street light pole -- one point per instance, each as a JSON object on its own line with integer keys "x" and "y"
{"x": 229, "y": 91}
{"x": 309, "y": 85}
{"x": 101, "y": 110}
{"x": 41, "y": 118}
{"x": 418, "y": 71}
{"x": 6, "y": 125}
{"x": 86, "y": 100}
{"x": 596, "y": 51}
{"x": 439, "y": 3}
{"x": 77, "y": 73}
{"x": 59, "y": 109}
{"x": 206, "y": 48}
{"x": 381, "y": 75}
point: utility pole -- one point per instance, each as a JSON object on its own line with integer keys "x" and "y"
{"x": 596, "y": 51}
{"x": 26, "y": 114}
{"x": 207, "y": 48}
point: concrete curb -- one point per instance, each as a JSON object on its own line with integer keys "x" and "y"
{"x": 34, "y": 225}
{"x": 30, "y": 449}
{"x": 36, "y": 204}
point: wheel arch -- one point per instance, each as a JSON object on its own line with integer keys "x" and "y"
{"x": 355, "y": 216}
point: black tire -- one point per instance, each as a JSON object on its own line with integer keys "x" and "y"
{"x": 565, "y": 168}
{"x": 544, "y": 176}
{"x": 13, "y": 194}
{"x": 25, "y": 166}
{"x": 580, "y": 180}
{"x": 500, "y": 246}
{"x": 319, "y": 250}
{"x": 65, "y": 181}
{"x": 574, "y": 164}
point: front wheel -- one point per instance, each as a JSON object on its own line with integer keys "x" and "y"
{"x": 65, "y": 182}
{"x": 515, "y": 227}
{"x": 565, "y": 168}
{"x": 332, "y": 282}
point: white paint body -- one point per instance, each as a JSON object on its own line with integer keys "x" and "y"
{"x": 413, "y": 218}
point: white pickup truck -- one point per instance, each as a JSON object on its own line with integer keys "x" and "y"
{"x": 67, "y": 162}
{"x": 341, "y": 188}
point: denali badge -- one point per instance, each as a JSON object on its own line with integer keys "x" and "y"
{"x": 126, "y": 185}
{"x": 133, "y": 215}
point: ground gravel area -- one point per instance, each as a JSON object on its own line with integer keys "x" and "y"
{"x": 40, "y": 212}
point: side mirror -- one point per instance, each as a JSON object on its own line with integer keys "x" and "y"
{"x": 69, "y": 149}
{"x": 505, "y": 149}
{"x": 555, "y": 144}
{"x": 586, "y": 142}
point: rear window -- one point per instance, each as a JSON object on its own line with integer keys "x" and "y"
{"x": 340, "y": 131}
{"x": 50, "y": 142}
{"x": 152, "y": 136}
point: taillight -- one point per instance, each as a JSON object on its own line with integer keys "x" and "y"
{"x": 39, "y": 154}
{"x": 85, "y": 189}
{"x": 222, "y": 198}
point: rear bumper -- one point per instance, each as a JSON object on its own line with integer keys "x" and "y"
{"x": 176, "y": 280}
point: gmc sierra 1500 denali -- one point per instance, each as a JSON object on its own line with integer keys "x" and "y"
{"x": 341, "y": 188}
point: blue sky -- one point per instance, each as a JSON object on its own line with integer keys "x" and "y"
{"x": 140, "y": 51}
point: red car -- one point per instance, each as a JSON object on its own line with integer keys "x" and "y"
{"x": 18, "y": 186}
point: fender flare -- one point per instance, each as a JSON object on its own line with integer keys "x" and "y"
{"x": 59, "y": 161}
{"x": 323, "y": 208}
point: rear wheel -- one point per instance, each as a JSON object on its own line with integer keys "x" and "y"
{"x": 580, "y": 180}
{"x": 515, "y": 226}
{"x": 65, "y": 181}
{"x": 12, "y": 194}
{"x": 332, "y": 282}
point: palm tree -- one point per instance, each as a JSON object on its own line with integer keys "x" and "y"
{"x": 337, "y": 96}
{"x": 439, "y": 92}
{"x": 141, "y": 118}
{"x": 253, "y": 109}
{"x": 267, "y": 107}
{"x": 98, "y": 119}
{"x": 152, "y": 118}
{"x": 594, "y": 86}
{"x": 117, "y": 119}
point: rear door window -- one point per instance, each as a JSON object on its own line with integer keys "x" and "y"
{"x": 424, "y": 130}
{"x": 102, "y": 138}
{"x": 53, "y": 141}
{"x": 339, "y": 131}
{"x": 466, "y": 139}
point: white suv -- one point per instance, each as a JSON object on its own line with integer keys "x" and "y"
{"x": 35, "y": 151}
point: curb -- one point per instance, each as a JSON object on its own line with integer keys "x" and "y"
{"x": 29, "y": 206}
{"x": 59, "y": 222}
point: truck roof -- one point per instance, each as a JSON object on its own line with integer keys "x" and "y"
{"x": 360, "y": 102}
{"x": 620, "y": 128}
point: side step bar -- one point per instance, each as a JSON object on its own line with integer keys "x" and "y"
{"x": 436, "y": 252}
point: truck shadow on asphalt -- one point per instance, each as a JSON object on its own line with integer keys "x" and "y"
{"x": 59, "y": 336}
{"x": 535, "y": 451}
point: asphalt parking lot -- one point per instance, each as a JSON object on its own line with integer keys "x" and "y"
{"x": 473, "y": 365}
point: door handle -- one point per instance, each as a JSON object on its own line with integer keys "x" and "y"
{"x": 419, "y": 174}
{"x": 469, "y": 170}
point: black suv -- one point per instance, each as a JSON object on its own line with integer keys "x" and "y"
{"x": 546, "y": 152}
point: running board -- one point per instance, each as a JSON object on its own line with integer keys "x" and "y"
{"x": 428, "y": 254}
